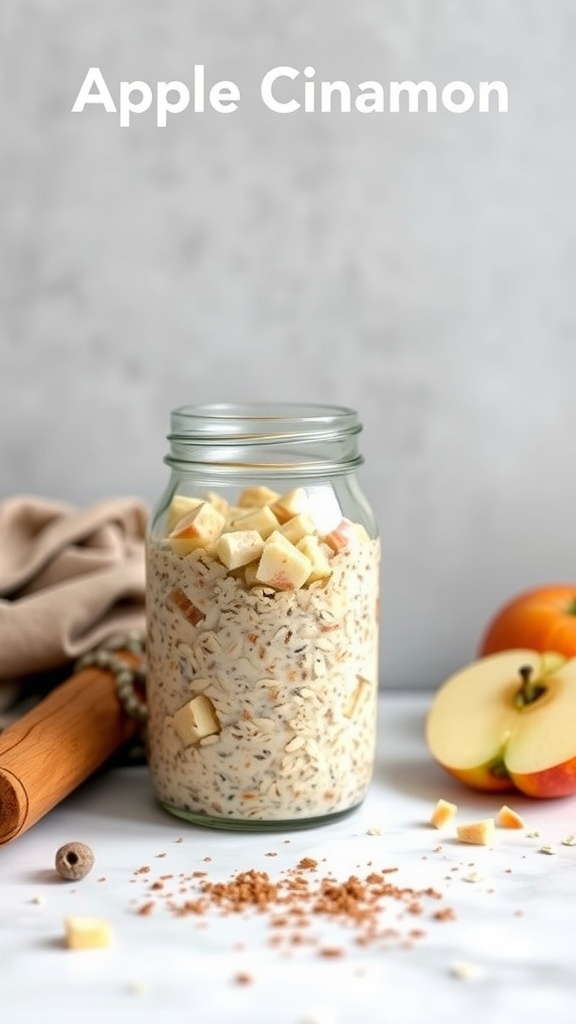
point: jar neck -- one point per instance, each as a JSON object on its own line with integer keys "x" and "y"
{"x": 271, "y": 438}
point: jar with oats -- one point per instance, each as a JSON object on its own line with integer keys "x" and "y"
{"x": 262, "y": 618}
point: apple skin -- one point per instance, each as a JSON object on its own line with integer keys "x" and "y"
{"x": 557, "y": 781}
{"x": 542, "y": 619}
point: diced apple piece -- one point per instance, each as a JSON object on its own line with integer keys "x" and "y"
{"x": 282, "y": 566}
{"x": 233, "y": 513}
{"x": 218, "y": 502}
{"x": 290, "y": 504}
{"x": 301, "y": 525}
{"x": 260, "y": 519}
{"x": 179, "y": 507}
{"x": 277, "y": 537}
{"x": 313, "y": 549}
{"x": 250, "y": 575}
{"x": 341, "y": 537}
{"x": 182, "y": 603}
{"x": 508, "y": 818}
{"x": 87, "y": 932}
{"x": 480, "y": 833}
{"x": 443, "y": 813}
{"x": 256, "y": 497}
{"x": 201, "y": 528}
{"x": 238, "y": 548}
{"x": 360, "y": 532}
{"x": 354, "y": 698}
{"x": 196, "y": 720}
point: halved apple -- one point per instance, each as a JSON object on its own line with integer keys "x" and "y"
{"x": 508, "y": 721}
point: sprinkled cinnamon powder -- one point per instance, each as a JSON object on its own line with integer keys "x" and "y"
{"x": 146, "y": 909}
{"x": 300, "y": 898}
{"x": 446, "y": 914}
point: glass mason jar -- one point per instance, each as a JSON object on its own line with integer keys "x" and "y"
{"x": 262, "y": 619}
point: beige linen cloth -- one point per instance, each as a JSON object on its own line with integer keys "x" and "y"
{"x": 70, "y": 578}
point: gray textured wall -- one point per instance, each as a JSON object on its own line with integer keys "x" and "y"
{"x": 420, "y": 268}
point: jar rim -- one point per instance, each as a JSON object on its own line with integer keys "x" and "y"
{"x": 261, "y": 420}
{"x": 264, "y": 412}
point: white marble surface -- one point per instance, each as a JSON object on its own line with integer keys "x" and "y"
{"x": 514, "y": 927}
{"x": 419, "y": 268}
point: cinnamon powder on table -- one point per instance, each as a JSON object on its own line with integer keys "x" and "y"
{"x": 293, "y": 903}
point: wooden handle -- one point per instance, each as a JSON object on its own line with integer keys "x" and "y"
{"x": 48, "y": 752}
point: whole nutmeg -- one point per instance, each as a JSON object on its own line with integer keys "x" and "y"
{"x": 74, "y": 861}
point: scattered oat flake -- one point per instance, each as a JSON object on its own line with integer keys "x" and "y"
{"x": 160, "y": 854}
{"x": 38, "y": 900}
{"x": 535, "y": 834}
{"x": 549, "y": 849}
{"x": 138, "y": 988}
{"x": 374, "y": 831}
{"x": 569, "y": 840}
{"x": 319, "y": 1016}
{"x": 473, "y": 876}
{"x": 465, "y": 971}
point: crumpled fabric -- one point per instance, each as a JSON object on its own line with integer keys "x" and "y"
{"x": 70, "y": 579}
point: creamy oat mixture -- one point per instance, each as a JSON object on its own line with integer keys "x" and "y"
{"x": 262, "y": 701}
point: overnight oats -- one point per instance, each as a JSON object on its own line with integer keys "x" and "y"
{"x": 262, "y": 665}
{"x": 262, "y": 619}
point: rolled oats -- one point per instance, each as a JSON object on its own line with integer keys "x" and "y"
{"x": 280, "y": 669}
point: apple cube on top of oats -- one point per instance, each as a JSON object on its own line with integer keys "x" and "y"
{"x": 282, "y": 566}
{"x": 261, "y": 519}
{"x": 200, "y": 528}
{"x": 342, "y": 537}
{"x": 314, "y": 550}
{"x": 256, "y": 497}
{"x": 218, "y": 502}
{"x": 298, "y": 527}
{"x": 238, "y": 548}
{"x": 179, "y": 507}
{"x": 290, "y": 504}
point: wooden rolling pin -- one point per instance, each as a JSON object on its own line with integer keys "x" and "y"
{"x": 48, "y": 752}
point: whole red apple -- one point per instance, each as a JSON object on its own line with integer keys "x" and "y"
{"x": 541, "y": 619}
